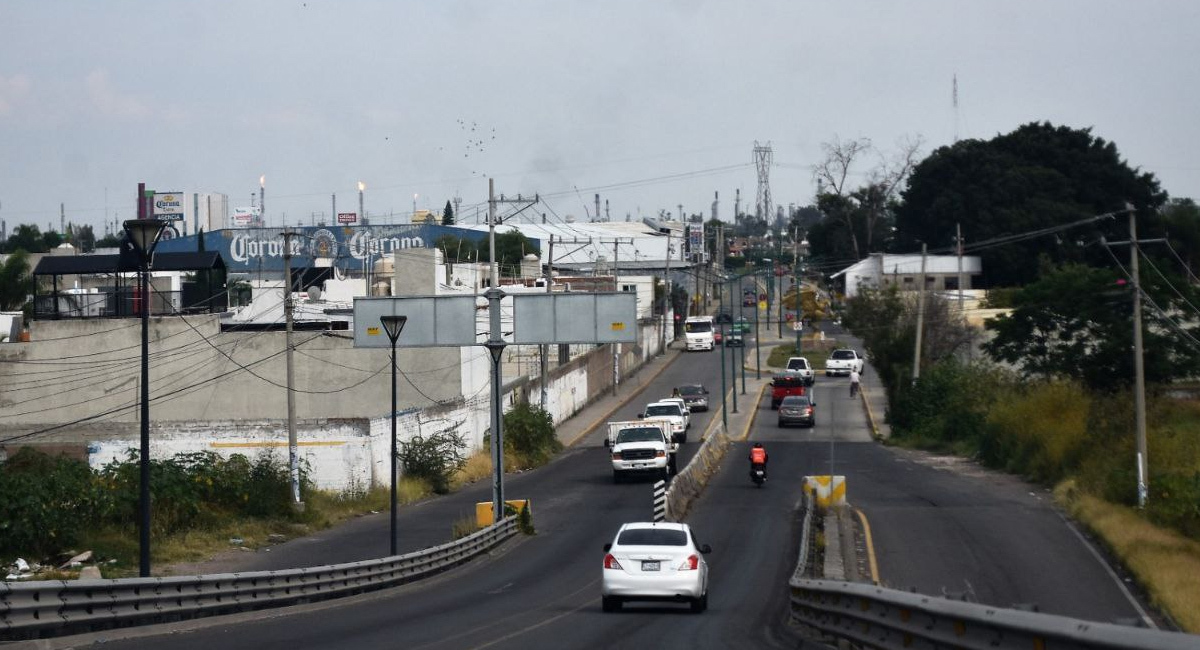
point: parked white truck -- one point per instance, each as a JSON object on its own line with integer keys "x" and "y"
{"x": 842, "y": 361}
{"x": 641, "y": 447}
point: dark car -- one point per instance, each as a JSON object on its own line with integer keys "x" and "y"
{"x": 784, "y": 385}
{"x": 797, "y": 409}
{"x": 724, "y": 317}
{"x": 734, "y": 339}
{"x": 694, "y": 395}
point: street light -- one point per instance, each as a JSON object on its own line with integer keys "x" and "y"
{"x": 143, "y": 235}
{"x": 394, "y": 325}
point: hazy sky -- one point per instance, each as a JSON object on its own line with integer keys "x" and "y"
{"x": 651, "y": 104}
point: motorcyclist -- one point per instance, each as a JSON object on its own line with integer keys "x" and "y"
{"x": 758, "y": 456}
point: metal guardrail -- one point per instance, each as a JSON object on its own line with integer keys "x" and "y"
{"x": 805, "y": 537}
{"x": 51, "y": 608}
{"x": 874, "y": 617}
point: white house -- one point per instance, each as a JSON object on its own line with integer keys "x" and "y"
{"x": 881, "y": 269}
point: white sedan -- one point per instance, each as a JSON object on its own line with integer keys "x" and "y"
{"x": 654, "y": 561}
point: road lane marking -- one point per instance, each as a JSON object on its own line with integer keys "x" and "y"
{"x": 870, "y": 546}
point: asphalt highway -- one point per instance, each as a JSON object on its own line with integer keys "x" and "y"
{"x": 937, "y": 527}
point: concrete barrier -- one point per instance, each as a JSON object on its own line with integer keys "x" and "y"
{"x": 689, "y": 483}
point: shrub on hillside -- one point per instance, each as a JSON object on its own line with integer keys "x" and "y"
{"x": 529, "y": 434}
{"x": 1040, "y": 432}
{"x": 948, "y": 406}
{"x": 434, "y": 458}
{"x": 47, "y": 501}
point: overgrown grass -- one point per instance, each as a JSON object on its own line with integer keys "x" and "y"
{"x": 1166, "y": 562}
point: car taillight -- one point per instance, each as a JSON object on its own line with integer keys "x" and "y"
{"x": 611, "y": 562}
{"x": 691, "y": 563}
{"x": 808, "y": 411}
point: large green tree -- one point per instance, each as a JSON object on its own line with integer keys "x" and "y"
{"x": 1077, "y": 322}
{"x": 16, "y": 284}
{"x": 1037, "y": 177}
{"x": 26, "y": 238}
{"x": 511, "y": 247}
{"x": 448, "y": 214}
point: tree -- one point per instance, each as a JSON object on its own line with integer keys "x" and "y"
{"x": 27, "y": 238}
{"x": 1037, "y": 177}
{"x": 109, "y": 241}
{"x": 886, "y": 320}
{"x": 16, "y": 284}
{"x": 1181, "y": 219}
{"x": 511, "y": 248}
{"x": 448, "y": 214}
{"x": 84, "y": 237}
{"x": 51, "y": 240}
{"x": 1076, "y": 322}
{"x": 867, "y": 211}
{"x": 456, "y": 249}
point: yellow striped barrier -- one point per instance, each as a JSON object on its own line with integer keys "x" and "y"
{"x": 827, "y": 490}
{"x": 484, "y": 514}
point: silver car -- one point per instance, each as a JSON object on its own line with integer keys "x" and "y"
{"x": 654, "y": 561}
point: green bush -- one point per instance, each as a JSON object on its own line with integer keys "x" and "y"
{"x": 529, "y": 434}
{"x": 433, "y": 458}
{"x": 46, "y": 501}
{"x": 948, "y": 406}
{"x": 52, "y": 503}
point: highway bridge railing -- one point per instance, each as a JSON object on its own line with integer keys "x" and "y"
{"x": 862, "y": 615}
{"x": 58, "y": 607}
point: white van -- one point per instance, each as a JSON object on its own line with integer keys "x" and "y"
{"x": 698, "y": 333}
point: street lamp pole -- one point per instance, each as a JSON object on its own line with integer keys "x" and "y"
{"x": 393, "y": 325}
{"x": 724, "y": 406}
{"x": 143, "y": 235}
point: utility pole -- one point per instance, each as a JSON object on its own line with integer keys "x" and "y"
{"x": 1139, "y": 369}
{"x": 616, "y": 347}
{"x": 959, "y": 246}
{"x": 667, "y": 303}
{"x": 916, "y": 372}
{"x": 293, "y": 447}
{"x": 544, "y": 349}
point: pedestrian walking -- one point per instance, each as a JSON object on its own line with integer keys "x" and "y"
{"x": 854, "y": 379}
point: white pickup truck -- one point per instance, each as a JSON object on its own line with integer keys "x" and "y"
{"x": 842, "y": 361}
{"x": 672, "y": 410}
{"x": 641, "y": 447}
{"x": 800, "y": 367}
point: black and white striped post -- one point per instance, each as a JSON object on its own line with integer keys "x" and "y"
{"x": 660, "y": 501}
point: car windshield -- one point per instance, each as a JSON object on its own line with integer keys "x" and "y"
{"x": 797, "y": 364}
{"x": 652, "y": 537}
{"x": 690, "y": 391}
{"x": 662, "y": 409}
{"x": 843, "y": 354}
{"x": 787, "y": 382}
{"x": 794, "y": 400}
{"x": 644, "y": 434}
{"x": 698, "y": 327}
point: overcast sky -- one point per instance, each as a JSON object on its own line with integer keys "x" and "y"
{"x": 651, "y": 104}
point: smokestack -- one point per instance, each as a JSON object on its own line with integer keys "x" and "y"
{"x": 597, "y": 212}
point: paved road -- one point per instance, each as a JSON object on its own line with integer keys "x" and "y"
{"x": 933, "y": 529}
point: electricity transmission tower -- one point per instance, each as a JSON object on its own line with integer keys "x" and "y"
{"x": 762, "y": 161}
